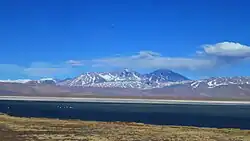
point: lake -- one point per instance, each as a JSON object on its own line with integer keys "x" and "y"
{"x": 219, "y": 116}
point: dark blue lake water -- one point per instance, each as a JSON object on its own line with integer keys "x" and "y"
{"x": 220, "y": 116}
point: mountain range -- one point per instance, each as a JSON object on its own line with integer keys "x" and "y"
{"x": 124, "y": 79}
{"x": 159, "y": 83}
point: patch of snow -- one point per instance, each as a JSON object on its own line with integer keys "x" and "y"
{"x": 107, "y": 77}
{"x": 16, "y": 81}
{"x": 44, "y": 79}
{"x": 138, "y": 78}
{"x": 195, "y": 84}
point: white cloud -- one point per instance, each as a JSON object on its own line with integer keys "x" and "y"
{"x": 146, "y": 55}
{"x": 149, "y": 59}
{"x": 11, "y": 71}
{"x": 10, "y": 68}
{"x": 42, "y": 69}
{"x": 228, "y": 49}
{"x": 46, "y": 72}
{"x": 35, "y": 70}
{"x": 75, "y": 62}
{"x": 212, "y": 56}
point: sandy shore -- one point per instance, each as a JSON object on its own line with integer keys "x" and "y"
{"x": 41, "y": 129}
{"x": 122, "y": 100}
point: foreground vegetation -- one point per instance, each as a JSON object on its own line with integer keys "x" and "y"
{"x": 39, "y": 129}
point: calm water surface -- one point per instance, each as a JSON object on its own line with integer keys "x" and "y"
{"x": 228, "y": 116}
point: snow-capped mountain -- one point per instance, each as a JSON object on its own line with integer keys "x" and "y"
{"x": 84, "y": 79}
{"x": 127, "y": 75}
{"x": 16, "y": 81}
{"x": 163, "y": 83}
{"x": 124, "y": 79}
{"x": 219, "y": 81}
{"x": 121, "y": 84}
{"x": 102, "y": 79}
{"x": 29, "y": 81}
{"x": 164, "y": 75}
{"x": 123, "y": 75}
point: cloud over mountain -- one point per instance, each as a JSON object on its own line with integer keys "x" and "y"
{"x": 46, "y": 69}
{"x": 227, "y": 52}
{"x": 75, "y": 62}
{"x": 212, "y": 56}
{"x": 228, "y": 49}
{"x": 151, "y": 60}
{"x": 35, "y": 69}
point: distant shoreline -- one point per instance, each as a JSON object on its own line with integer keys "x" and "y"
{"x": 122, "y": 100}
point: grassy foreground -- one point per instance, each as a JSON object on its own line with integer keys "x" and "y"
{"x": 40, "y": 129}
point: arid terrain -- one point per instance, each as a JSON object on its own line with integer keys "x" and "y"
{"x": 40, "y": 129}
{"x": 233, "y": 88}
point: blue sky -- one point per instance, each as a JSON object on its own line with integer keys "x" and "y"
{"x": 63, "y": 38}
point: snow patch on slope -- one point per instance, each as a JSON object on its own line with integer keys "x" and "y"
{"x": 16, "y": 81}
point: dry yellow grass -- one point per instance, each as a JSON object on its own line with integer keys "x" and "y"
{"x": 39, "y": 129}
